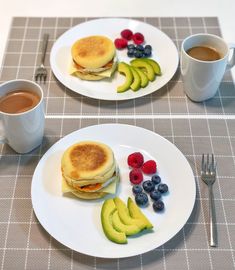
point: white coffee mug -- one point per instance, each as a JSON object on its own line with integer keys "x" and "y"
{"x": 22, "y": 131}
{"x": 202, "y": 78}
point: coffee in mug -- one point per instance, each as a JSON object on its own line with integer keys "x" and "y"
{"x": 204, "y": 53}
{"x": 18, "y": 101}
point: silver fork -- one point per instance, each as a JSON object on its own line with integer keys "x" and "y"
{"x": 208, "y": 175}
{"x": 41, "y": 72}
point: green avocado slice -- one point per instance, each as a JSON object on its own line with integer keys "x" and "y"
{"x": 121, "y": 227}
{"x": 125, "y": 216}
{"x": 143, "y": 77}
{"x": 107, "y": 211}
{"x": 156, "y": 67}
{"x": 140, "y": 63}
{"x": 135, "y": 86}
{"x": 135, "y": 212}
{"x": 123, "y": 68}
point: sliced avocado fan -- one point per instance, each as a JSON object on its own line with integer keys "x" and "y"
{"x": 119, "y": 221}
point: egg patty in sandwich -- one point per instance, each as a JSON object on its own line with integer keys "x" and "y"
{"x": 93, "y": 58}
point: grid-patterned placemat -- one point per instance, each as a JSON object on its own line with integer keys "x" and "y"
{"x": 21, "y": 58}
{"x": 24, "y": 244}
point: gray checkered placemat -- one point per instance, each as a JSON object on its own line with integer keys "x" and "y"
{"x": 24, "y": 244}
{"x": 21, "y": 58}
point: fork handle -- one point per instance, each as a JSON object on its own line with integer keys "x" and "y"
{"x": 213, "y": 232}
{"x": 44, "y": 47}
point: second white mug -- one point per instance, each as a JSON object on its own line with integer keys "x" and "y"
{"x": 202, "y": 78}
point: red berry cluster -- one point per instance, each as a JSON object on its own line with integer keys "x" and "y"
{"x": 136, "y": 162}
{"x": 127, "y": 35}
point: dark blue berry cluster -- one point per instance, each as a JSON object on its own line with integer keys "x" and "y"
{"x": 155, "y": 189}
{"x": 139, "y": 51}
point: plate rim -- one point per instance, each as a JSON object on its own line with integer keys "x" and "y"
{"x": 46, "y": 155}
{"x": 121, "y": 96}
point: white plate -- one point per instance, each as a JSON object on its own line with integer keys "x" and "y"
{"x": 76, "y": 223}
{"x": 164, "y": 51}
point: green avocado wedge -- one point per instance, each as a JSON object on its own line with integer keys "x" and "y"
{"x": 125, "y": 216}
{"x": 136, "y": 84}
{"x": 148, "y": 69}
{"x": 107, "y": 211}
{"x": 121, "y": 227}
{"x": 143, "y": 77}
{"x": 124, "y": 68}
{"x": 136, "y": 213}
{"x": 156, "y": 67}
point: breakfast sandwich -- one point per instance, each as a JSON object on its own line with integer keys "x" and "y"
{"x": 93, "y": 58}
{"x": 89, "y": 170}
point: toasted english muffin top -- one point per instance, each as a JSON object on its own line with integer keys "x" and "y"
{"x": 93, "y": 51}
{"x": 87, "y": 160}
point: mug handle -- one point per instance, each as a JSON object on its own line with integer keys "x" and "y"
{"x": 231, "y": 62}
{"x": 2, "y": 136}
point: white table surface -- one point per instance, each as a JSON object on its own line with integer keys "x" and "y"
{"x": 223, "y": 9}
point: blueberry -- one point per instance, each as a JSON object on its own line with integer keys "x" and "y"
{"x": 137, "y": 189}
{"x": 155, "y": 195}
{"x": 141, "y": 199}
{"x": 140, "y": 48}
{"x": 156, "y": 179}
{"x": 138, "y": 54}
{"x": 130, "y": 52}
{"x": 149, "y": 47}
{"x": 147, "y": 52}
{"x": 163, "y": 188}
{"x": 130, "y": 46}
{"x": 158, "y": 205}
{"x": 148, "y": 186}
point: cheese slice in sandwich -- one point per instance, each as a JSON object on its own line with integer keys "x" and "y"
{"x": 80, "y": 72}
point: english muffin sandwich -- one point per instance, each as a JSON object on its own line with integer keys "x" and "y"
{"x": 89, "y": 170}
{"x": 93, "y": 58}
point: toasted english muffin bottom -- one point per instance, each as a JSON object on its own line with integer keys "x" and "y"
{"x": 88, "y": 76}
{"x": 89, "y": 196}
{"x": 93, "y": 51}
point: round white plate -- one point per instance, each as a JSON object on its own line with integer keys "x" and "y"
{"x": 76, "y": 223}
{"x": 164, "y": 51}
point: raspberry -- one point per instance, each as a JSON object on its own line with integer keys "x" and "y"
{"x": 149, "y": 167}
{"x": 135, "y": 160}
{"x": 136, "y": 176}
{"x": 138, "y": 38}
{"x": 127, "y": 34}
{"x": 120, "y": 43}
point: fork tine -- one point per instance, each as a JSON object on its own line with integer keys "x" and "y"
{"x": 203, "y": 164}
{"x": 207, "y": 163}
{"x": 213, "y": 163}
